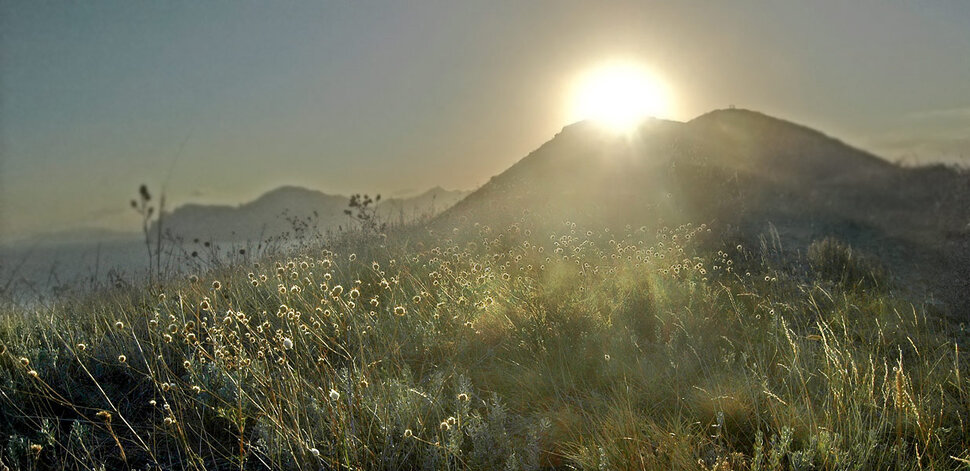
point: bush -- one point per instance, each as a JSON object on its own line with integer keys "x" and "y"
{"x": 834, "y": 261}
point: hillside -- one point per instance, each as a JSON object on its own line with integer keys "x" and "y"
{"x": 746, "y": 174}
{"x": 508, "y": 340}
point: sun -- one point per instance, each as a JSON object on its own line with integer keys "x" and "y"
{"x": 619, "y": 96}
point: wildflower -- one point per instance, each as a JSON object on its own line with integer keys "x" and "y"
{"x": 336, "y": 291}
{"x": 408, "y": 433}
{"x": 606, "y": 357}
{"x": 334, "y": 395}
{"x": 193, "y": 279}
{"x": 354, "y": 293}
{"x": 216, "y": 285}
{"x": 122, "y": 358}
{"x": 24, "y": 361}
{"x": 353, "y": 257}
{"x": 104, "y": 415}
{"x": 416, "y": 299}
{"x": 186, "y": 364}
{"x": 119, "y": 325}
{"x": 35, "y": 448}
{"x": 400, "y": 311}
{"x": 82, "y": 347}
{"x": 451, "y": 420}
{"x": 463, "y": 397}
{"x": 169, "y": 421}
{"x": 33, "y": 373}
{"x": 197, "y": 389}
{"x": 444, "y": 426}
{"x": 314, "y": 452}
{"x": 288, "y": 343}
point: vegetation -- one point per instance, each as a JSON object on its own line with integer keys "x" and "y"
{"x": 487, "y": 348}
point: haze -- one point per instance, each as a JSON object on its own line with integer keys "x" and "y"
{"x": 222, "y": 101}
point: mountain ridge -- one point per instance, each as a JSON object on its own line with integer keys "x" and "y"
{"x": 744, "y": 173}
{"x": 287, "y": 210}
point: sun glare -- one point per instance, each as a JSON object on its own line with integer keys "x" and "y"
{"x": 619, "y": 96}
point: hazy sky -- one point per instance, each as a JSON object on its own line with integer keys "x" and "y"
{"x": 97, "y": 97}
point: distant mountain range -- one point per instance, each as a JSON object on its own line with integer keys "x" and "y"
{"x": 745, "y": 174}
{"x": 290, "y": 210}
{"x": 749, "y": 176}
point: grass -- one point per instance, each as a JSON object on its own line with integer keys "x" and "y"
{"x": 491, "y": 348}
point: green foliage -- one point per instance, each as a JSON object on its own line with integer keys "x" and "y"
{"x": 486, "y": 349}
{"x": 835, "y": 261}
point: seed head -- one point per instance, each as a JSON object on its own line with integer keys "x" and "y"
{"x": 334, "y": 395}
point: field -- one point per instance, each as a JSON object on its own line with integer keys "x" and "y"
{"x": 494, "y": 348}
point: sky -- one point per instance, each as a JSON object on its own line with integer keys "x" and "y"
{"x": 221, "y": 101}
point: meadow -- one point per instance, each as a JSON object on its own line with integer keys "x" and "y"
{"x": 518, "y": 347}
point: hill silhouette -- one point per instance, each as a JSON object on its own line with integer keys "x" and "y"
{"x": 747, "y": 175}
{"x": 289, "y": 209}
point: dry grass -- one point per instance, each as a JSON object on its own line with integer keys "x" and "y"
{"x": 488, "y": 348}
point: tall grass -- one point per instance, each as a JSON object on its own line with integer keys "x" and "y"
{"x": 489, "y": 348}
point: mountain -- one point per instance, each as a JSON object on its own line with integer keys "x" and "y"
{"x": 289, "y": 211}
{"x": 745, "y": 174}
